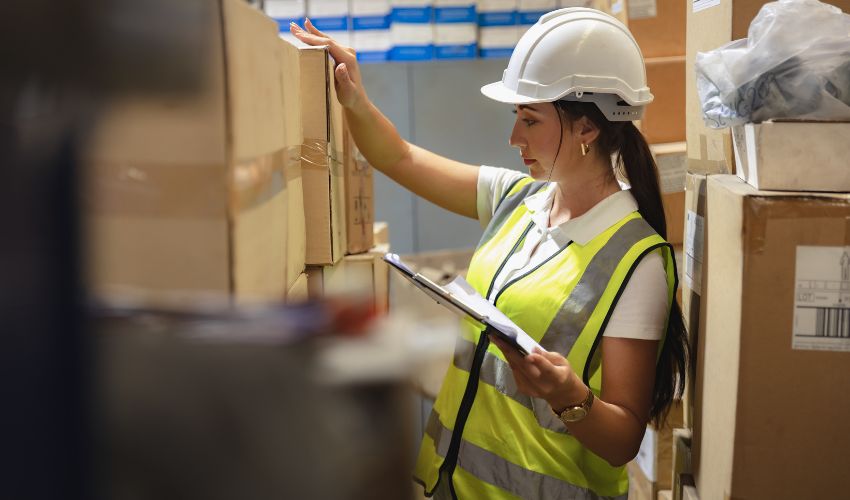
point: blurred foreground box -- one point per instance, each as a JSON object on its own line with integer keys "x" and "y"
{"x": 187, "y": 195}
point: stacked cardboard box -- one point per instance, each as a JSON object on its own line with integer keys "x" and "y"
{"x": 186, "y": 196}
{"x": 775, "y": 343}
{"x": 658, "y": 27}
{"x": 338, "y": 190}
{"x": 766, "y": 155}
{"x": 652, "y": 470}
{"x": 232, "y": 191}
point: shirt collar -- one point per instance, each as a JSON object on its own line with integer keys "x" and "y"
{"x": 582, "y": 229}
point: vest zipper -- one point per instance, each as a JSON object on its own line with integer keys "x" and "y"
{"x": 468, "y": 398}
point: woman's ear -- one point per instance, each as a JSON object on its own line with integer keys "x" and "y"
{"x": 586, "y": 131}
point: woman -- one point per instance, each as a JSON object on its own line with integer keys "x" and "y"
{"x": 576, "y": 261}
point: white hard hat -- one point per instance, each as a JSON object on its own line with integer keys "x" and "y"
{"x": 577, "y": 54}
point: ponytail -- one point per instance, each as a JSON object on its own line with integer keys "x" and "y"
{"x": 634, "y": 161}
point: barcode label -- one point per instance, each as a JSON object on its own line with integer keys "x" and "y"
{"x": 822, "y": 299}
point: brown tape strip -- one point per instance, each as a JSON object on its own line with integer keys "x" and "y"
{"x": 256, "y": 181}
{"x": 168, "y": 191}
{"x": 181, "y": 191}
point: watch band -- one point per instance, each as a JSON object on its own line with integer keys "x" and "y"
{"x": 577, "y": 412}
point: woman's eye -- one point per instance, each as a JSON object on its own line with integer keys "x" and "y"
{"x": 529, "y": 122}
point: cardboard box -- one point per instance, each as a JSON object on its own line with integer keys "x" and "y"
{"x": 710, "y": 25}
{"x": 381, "y": 231}
{"x": 655, "y": 457}
{"x": 694, "y": 267}
{"x": 776, "y": 344}
{"x": 658, "y": 26}
{"x": 296, "y": 232}
{"x": 359, "y": 275}
{"x": 681, "y": 459}
{"x": 359, "y": 202}
{"x": 184, "y": 195}
{"x": 298, "y": 292}
{"x": 793, "y": 155}
{"x": 689, "y": 493}
{"x": 671, "y": 159}
{"x": 664, "y": 119}
{"x": 665, "y": 495}
{"x": 322, "y": 159}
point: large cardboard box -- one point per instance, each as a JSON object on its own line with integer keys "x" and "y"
{"x": 360, "y": 275}
{"x": 664, "y": 119}
{"x": 671, "y": 159}
{"x": 681, "y": 459}
{"x": 693, "y": 293}
{"x": 711, "y": 24}
{"x": 184, "y": 195}
{"x": 298, "y": 292}
{"x": 322, "y": 159}
{"x": 359, "y": 198}
{"x": 777, "y": 341}
{"x": 658, "y": 26}
{"x": 793, "y": 155}
{"x": 655, "y": 457}
{"x": 296, "y": 237}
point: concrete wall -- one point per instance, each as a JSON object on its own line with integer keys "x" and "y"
{"x": 438, "y": 106}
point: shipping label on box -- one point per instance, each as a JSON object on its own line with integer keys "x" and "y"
{"x": 822, "y": 299}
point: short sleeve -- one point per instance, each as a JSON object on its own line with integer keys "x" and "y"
{"x": 493, "y": 183}
{"x": 641, "y": 312}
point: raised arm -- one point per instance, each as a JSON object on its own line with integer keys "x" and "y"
{"x": 444, "y": 182}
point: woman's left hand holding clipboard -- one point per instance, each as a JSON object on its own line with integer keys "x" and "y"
{"x": 542, "y": 374}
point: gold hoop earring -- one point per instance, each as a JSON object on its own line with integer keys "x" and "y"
{"x": 584, "y": 149}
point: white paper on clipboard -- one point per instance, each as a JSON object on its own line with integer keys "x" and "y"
{"x": 460, "y": 296}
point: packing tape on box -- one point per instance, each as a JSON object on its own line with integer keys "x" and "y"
{"x": 258, "y": 180}
{"x": 318, "y": 154}
{"x": 771, "y": 215}
{"x": 185, "y": 191}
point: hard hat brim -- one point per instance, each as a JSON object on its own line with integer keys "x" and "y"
{"x": 500, "y": 93}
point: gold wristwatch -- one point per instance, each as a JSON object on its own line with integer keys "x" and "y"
{"x": 575, "y": 413}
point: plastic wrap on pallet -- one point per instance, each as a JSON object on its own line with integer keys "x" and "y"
{"x": 455, "y": 29}
{"x": 370, "y": 25}
{"x": 411, "y": 30}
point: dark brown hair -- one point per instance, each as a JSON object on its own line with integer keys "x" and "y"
{"x": 635, "y": 162}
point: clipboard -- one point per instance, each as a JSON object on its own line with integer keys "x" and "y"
{"x": 446, "y": 298}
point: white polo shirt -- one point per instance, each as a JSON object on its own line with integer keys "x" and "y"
{"x": 641, "y": 311}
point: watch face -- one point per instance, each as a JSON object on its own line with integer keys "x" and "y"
{"x": 573, "y": 414}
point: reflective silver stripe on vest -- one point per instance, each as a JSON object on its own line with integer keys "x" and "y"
{"x": 506, "y": 208}
{"x": 493, "y": 469}
{"x": 579, "y": 306}
{"x": 498, "y": 374}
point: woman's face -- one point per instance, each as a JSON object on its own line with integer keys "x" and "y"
{"x": 536, "y": 134}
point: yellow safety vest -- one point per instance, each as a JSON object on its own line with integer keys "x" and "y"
{"x": 493, "y": 441}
